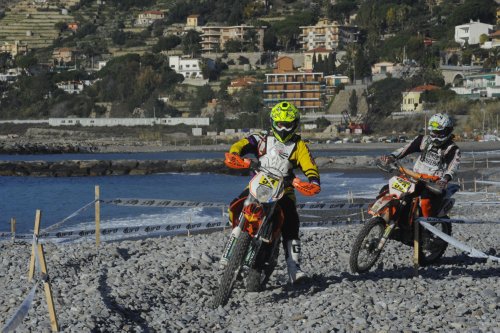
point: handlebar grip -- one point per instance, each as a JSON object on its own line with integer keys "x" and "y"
{"x": 306, "y": 188}
{"x": 235, "y": 161}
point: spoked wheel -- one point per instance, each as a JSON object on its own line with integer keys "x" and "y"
{"x": 258, "y": 277}
{"x": 232, "y": 270}
{"x": 432, "y": 247}
{"x": 364, "y": 251}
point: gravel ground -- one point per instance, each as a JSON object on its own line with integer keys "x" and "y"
{"x": 165, "y": 285}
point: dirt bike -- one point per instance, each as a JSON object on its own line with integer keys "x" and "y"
{"x": 396, "y": 209}
{"x": 257, "y": 219}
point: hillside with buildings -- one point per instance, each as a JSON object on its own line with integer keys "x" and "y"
{"x": 353, "y": 65}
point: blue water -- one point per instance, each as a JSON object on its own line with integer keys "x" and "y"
{"x": 60, "y": 197}
{"x": 182, "y": 155}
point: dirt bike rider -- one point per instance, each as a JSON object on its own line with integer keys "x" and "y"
{"x": 285, "y": 121}
{"x": 439, "y": 156}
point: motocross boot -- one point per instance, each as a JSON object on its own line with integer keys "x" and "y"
{"x": 292, "y": 256}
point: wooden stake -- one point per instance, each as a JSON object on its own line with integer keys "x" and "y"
{"x": 43, "y": 269}
{"x": 13, "y": 228}
{"x": 416, "y": 242}
{"x": 97, "y": 216}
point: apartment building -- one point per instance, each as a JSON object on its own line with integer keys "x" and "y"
{"x": 213, "y": 38}
{"x": 327, "y": 34}
{"x": 306, "y": 90}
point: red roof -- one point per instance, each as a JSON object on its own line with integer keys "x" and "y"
{"x": 426, "y": 87}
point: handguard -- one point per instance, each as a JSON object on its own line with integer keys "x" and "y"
{"x": 235, "y": 161}
{"x": 306, "y": 188}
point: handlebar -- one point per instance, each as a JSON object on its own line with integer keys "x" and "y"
{"x": 427, "y": 180}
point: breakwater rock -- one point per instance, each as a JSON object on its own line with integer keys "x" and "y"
{"x": 29, "y": 148}
{"x": 70, "y": 168}
{"x": 106, "y": 168}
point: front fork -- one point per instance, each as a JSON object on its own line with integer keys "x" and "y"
{"x": 387, "y": 233}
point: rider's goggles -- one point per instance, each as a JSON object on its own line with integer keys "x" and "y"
{"x": 439, "y": 133}
{"x": 284, "y": 125}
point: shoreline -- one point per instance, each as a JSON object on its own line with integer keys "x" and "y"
{"x": 466, "y": 146}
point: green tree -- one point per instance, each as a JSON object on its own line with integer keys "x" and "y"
{"x": 218, "y": 122}
{"x": 119, "y": 37}
{"x": 191, "y": 43}
{"x": 166, "y": 43}
{"x": 26, "y": 61}
{"x": 322, "y": 123}
{"x": 353, "y": 104}
{"x": 233, "y": 45}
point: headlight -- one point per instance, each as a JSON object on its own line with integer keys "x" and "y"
{"x": 264, "y": 193}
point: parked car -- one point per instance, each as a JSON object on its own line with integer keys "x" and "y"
{"x": 391, "y": 139}
{"x": 403, "y": 138}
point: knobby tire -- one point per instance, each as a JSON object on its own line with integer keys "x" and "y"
{"x": 231, "y": 271}
{"x": 439, "y": 244}
{"x": 360, "y": 245}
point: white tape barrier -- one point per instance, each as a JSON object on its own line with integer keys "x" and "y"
{"x": 488, "y": 182}
{"x": 332, "y": 206}
{"x": 131, "y": 231}
{"x": 75, "y": 213}
{"x": 161, "y": 203}
{"x": 326, "y": 224}
{"x": 458, "y": 221}
{"x": 23, "y": 310}
{"x": 18, "y": 317}
{"x": 471, "y": 252}
{"x": 193, "y": 204}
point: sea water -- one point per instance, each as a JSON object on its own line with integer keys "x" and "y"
{"x": 58, "y": 198}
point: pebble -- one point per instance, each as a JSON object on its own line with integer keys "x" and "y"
{"x": 160, "y": 285}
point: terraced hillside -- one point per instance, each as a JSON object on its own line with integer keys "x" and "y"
{"x": 33, "y": 24}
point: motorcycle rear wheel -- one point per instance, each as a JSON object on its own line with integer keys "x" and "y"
{"x": 364, "y": 253}
{"x": 258, "y": 277}
{"x": 432, "y": 247}
{"x": 231, "y": 271}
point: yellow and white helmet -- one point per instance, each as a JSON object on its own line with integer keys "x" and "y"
{"x": 440, "y": 128}
{"x": 285, "y": 120}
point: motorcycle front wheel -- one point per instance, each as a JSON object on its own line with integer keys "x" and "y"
{"x": 364, "y": 253}
{"x": 231, "y": 271}
{"x": 432, "y": 247}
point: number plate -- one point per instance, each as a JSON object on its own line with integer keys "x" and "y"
{"x": 401, "y": 185}
{"x": 269, "y": 181}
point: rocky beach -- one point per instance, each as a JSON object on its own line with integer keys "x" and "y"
{"x": 166, "y": 285}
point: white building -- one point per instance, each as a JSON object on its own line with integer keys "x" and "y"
{"x": 73, "y": 87}
{"x": 480, "y": 85}
{"x": 189, "y": 68}
{"x": 148, "y": 17}
{"x": 470, "y": 32}
{"x": 128, "y": 121}
{"x": 11, "y": 75}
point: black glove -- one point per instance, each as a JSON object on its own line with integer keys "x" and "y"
{"x": 442, "y": 182}
{"x": 387, "y": 159}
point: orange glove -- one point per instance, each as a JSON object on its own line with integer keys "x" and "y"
{"x": 234, "y": 161}
{"x": 306, "y": 188}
